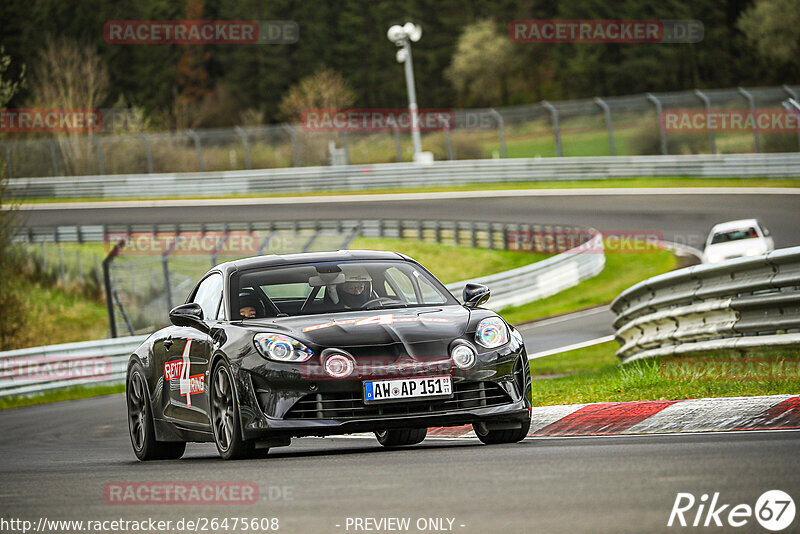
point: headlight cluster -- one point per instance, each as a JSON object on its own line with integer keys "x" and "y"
{"x": 491, "y": 333}
{"x": 282, "y": 348}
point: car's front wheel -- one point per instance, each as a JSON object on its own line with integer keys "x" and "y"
{"x": 493, "y": 434}
{"x": 140, "y": 421}
{"x": 402, "y": 436}
{"x": 225, "y": 416}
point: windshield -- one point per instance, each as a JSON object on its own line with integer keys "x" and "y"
{"x": 330, "y": 287}
{"x": 734, "y": 235}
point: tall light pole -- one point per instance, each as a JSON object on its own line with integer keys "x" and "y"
{"x": 403, "y": 36}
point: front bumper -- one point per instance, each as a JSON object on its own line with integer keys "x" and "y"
{"x": 275, "y": 402}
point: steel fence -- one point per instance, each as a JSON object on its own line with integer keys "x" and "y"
{"x": 741, "y": 304}
{"x": 615, "y": 126}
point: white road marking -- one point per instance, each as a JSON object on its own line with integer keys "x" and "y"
{"x": 581, "y": 345}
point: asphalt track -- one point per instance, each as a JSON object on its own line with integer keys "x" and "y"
{"x": 680, "y": 215}
{"x": 57, "y": 459}
{"x": 564, "y": 330}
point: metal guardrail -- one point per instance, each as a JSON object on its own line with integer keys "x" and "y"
{"x": 88, "y": 363}
{"x": 40, "y": 369}
{"x": 544, "y": 278}
{"x": 741, "y": 304}
{"x": 405, "y": 175}
{"x": 476, "y": 234}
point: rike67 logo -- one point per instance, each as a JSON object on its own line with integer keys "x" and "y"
{"x": 774, "y": 510}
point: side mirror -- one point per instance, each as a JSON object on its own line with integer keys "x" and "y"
{"x": 475, "y": 295}
{"x": 190, "y": 314}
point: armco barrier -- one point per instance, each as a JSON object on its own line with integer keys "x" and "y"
{"x": 40, "y": 369}
{"x": 541, "y": 279}
{"x": 404, "y": 175}
{"x": 740, "y": 304}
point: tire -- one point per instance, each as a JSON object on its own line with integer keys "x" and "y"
{"x": 493, "y": 437}
{"x": 140, "y": 421}
{"x": 402, "y": 436}
{"x": 225, "y": 416}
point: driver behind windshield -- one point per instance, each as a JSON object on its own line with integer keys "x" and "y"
{"x": 355, "y": 291}
{"x": 248, "y": 306}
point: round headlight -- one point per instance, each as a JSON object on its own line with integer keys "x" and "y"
{"x": 282, "y": 348}
{"x": 491, "y": 333}
{"x": 339, "y": 366}
{"x": 463, "y": 356}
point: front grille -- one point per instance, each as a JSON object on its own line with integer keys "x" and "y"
{"x": 350, "y": 405}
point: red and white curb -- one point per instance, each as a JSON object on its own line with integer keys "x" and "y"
{"x": 775, "y": 412}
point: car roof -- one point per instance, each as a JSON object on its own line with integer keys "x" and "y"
{"x": 277, "y": 260}
{"x": 734, "y": 225}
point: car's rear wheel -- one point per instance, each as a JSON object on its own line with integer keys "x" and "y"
{"x": 225, "y": 416}
{"x": 140, "y": 421}
{"x": 402, "y": 436}
{"x": 492, "y": 436}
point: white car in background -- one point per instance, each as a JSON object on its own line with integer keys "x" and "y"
{"x": 737, "y": 239}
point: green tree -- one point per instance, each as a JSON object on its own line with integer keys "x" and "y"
{"x": 773, "y": 26}
{"x": 482, "y": 64}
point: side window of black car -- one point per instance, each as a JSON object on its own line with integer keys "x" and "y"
{"x": 208, "y": 295}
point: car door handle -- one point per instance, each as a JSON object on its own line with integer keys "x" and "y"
{"x": 168, "y": 343}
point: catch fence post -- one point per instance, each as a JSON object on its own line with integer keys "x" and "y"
{"x": 556, "y": 127}
{"x": 659, "y": 110}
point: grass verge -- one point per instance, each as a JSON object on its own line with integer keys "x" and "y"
{"x": 58, "y": 315}
{"x": 595, "y": 375}
{"x": 621, "y": 271}
{"x": 636, "y": 182}
{"x": 78, "y": 392}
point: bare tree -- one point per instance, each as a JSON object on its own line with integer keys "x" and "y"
{"x": 325, "y": 89}
{"x": 70, "y": 76}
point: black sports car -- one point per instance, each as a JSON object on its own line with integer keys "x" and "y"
{"x": 275, "y": 347}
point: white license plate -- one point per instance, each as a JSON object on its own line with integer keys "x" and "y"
{"x": 407, "y": 388}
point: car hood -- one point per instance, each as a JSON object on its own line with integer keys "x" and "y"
{"x": 734, "y": 248}
{"x": 373, "y": 327}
